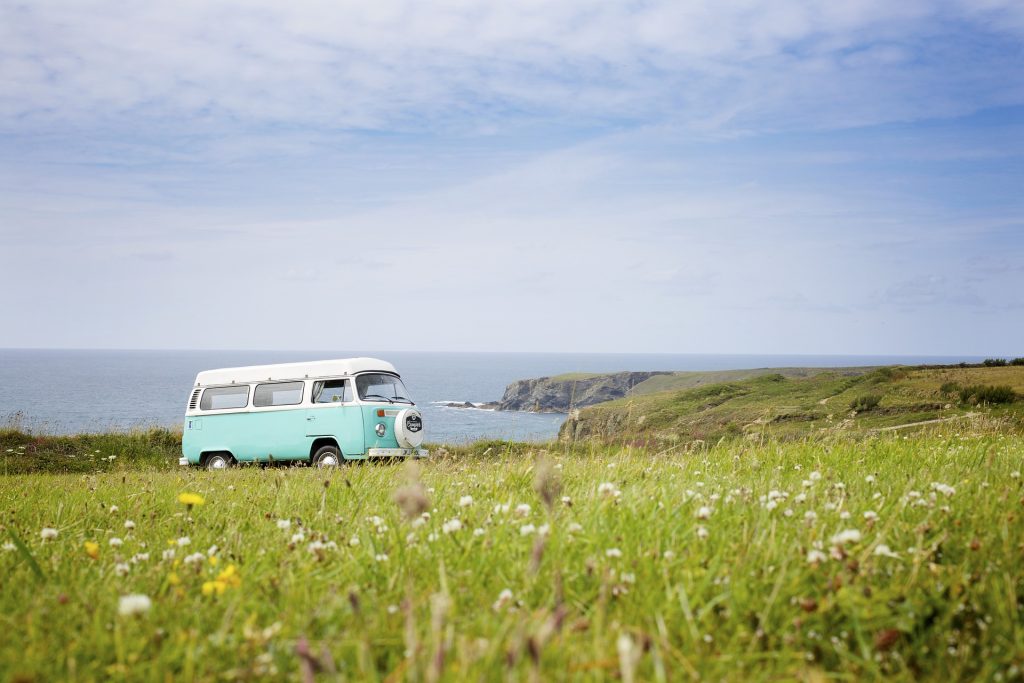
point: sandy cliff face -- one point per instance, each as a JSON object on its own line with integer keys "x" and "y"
{"x": 554, "y": 395}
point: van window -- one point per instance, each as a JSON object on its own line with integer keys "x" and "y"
{"x": 222, "y": 398}
{"x": 332, "y": 391}
{"x": 381, "y": 387}
{"x": 277, "y": 394}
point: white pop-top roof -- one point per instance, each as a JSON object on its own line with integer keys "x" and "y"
{"x": 316, "y": 368}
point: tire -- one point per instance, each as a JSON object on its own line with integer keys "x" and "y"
{"x": 327, "y": 456}
{"x": 219, "y": 461}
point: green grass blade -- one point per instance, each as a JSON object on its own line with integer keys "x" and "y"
{"x": 27, "y": 554}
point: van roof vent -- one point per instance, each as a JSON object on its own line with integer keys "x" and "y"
{"x": 194, "y": 400}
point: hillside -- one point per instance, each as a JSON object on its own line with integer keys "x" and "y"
{"x": 561, "y": 393}
{"x": 789, "y": 407}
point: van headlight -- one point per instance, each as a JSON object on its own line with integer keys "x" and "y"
{"x": 381, "y": 429}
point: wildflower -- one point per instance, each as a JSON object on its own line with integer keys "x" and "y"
{"x": 478, "y": 532}
{"x": 845, "y": 514}
{"x": 116, "y": 542}
{"x": 284, "y": 524}
{"x": 354, "y": 541}
{"x": 465, "y": 501}
{"x": 92, "y": 549}
{"x": 194, "y": 558}
{"x": 121, "y": 569}
{"x": 381, "y": 557}
{"x": 131, "y": 605}
{"x": 566, "y": 500}
{"x": 816, "y": 557}
{"x": 944, "y": 489}
{"x": 214, "y": 588}
{"x": 544, "y": 529}
{"x": 113, "y": 509}
{"x": 810, "y": 515}
{"x": 129, "y": 524}
{"x": 48, "y": 533}
{"x": 800, "y": 498}
{"x": 392, "y": 609}
{"x": 140, "y": 557}
{"x": 668, "y": 555}
{"x": 183, "y": 541}
{"x": 523, "y": 509}
{"x": 702, "y": 533}
{"x": 8, "y": 547}
{"x": 504, "y": 597}
{"x": 846, "y": 536}
{"x": 870, "y": 479}
{"x": 452, "y": 525}
{"x": 608, "y": 490}
{"x": 190, "y": 499}
{"x": 212, "y": 550}
{"x": 704, "y": 512}
{"x": 501, "y": 508}
{"x": 575, "y": 527}
{"x": 168, "y": 554}
{"x": 885, "y": 551}
{"x": 815, "y": 475}
{"x": 1015, "y": 474}
{"x": 298, "y": 537}
{"x": 871, "y": 515}
{"x": 227, "y": 578}
{"x": 527, "y": 529}
{"x": 173, "y": 579}
{"x": 613, "y": 552}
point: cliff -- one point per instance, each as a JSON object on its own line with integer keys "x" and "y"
{"x": 560, "y": 394}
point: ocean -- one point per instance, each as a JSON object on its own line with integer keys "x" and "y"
{"x": 72, "y": 391}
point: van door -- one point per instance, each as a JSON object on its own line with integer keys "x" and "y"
{"x": 333, "y": 414}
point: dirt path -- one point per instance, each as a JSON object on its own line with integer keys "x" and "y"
{"x": 925, "y": 422}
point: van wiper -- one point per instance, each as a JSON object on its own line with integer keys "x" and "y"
{"x": 377, "y": 396}
{"x": 398, "y": 399}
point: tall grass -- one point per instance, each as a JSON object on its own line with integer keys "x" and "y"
{"x": 888, "y": 557}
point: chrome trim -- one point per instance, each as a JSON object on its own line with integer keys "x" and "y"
{"x": 182, "y": 461}
{"x": 397, "y": 452}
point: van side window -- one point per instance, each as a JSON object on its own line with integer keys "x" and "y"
{"x": 222, "y": 398}
{"x": 332, "y": 391}
{"x": 277, "y": 394}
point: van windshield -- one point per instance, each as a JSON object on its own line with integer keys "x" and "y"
{"x": 381, "y": 387}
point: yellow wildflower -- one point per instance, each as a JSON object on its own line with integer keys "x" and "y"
{"x": 229, "y": 575}
{"x": 190, "y": 499}
{"x": 92, "y": 549}
{"x": 213, "y": 560}
{"x": 173, "y": 579}
{"x": 214, "y": 587}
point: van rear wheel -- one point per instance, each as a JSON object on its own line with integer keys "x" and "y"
{"x": 327, "y": 456}
{"x": 219, "y": 461}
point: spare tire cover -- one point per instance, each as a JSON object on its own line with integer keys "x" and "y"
{"x": 409, "y": 428}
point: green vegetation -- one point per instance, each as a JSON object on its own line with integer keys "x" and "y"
{"x": 824, "y": 404}
{"x": 980, "y": 394}
{"x": 814, "y": 560}
{"x": 22, "y": 452}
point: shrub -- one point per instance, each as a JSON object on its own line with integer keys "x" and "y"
{"x": 994, "y": 362}
{"x": 981, "y": 393}
{"x": 950, "y": 388}
{"x": 865, "y": 402}
{"x": 1017, "y": 361}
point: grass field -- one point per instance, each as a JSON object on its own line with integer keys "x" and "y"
{"x": 821, "y": 560}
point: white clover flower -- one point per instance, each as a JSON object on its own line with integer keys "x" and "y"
{"x": 122, "y": 569}
{"x": 465, "y": 501}
{"x": 566, "y": 500}
{"x": 8, "y": 546}
{"x": 810, "y": 515}
{"x": 452, "y": 525}
{"x": 194, "y": 558}
{"x": 870, "y": 479}
{"x": 113, "y": 509}
{"x": 613, "y": 552}
{"x": 702, "y": 533}
{"x": 807, "y": 483}
{"x": 432, "y": 536}
{"x": 527, "y": 529}
{"x": 668, "y": 555}
{"x": 1015, "y": 474}
{"x": 608, "y": 489}
{"x": 167, "y": 554}
{"x": 544, "y": 529}
{"x": 502, "y": 508}
{"x": 816, "y": 557}
{"x": 298, "y": 537}
{"x": 129, "y": 524}
{"x": 478, "y": 532}
{"x": 353, "y": 542}
{"x": 871, "y": 515}
{"x": 814, "y": 476}
{"x": 845, "y": 514}
{"x": 800, "y": 498}
{"x": 523, "y": 509}
{"x": 116, "y": 542}
{"x": 846, "y": 536}
{"x": 504, "y": 598}
{"x": 944, "y": 489}
{"x": 184, "y": 541}
{"x": 628, "y": 577}
{"x": 704, "y": 512}
{"x": 392, "y": 609}
{"x": 48, "y": 533}
{"x": 839, "y": 486}
{"x": 140, "y": 557}
{"x": 884, "y": 551}
{"x": 380, "y": 557}
{"x": 131, "y": 605}
{"x": 212, "y": 550}
{"x": 771, "y": 505}
{"x": 575, "y": 527}
{"x": 284, "y": 524}
{"x": 788, "y": 512}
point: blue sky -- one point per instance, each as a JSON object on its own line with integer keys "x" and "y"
{"x": 742, "y": 177}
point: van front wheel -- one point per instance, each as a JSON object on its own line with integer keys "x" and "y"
{"x": 219, "y": 461}
{"x": 327, "y": 456}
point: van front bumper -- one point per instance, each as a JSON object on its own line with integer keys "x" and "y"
{"x": 182, "y": 461}
{"x": 397, "y": 453}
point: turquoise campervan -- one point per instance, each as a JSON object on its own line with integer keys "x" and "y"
{"x": 320, "y": 412}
